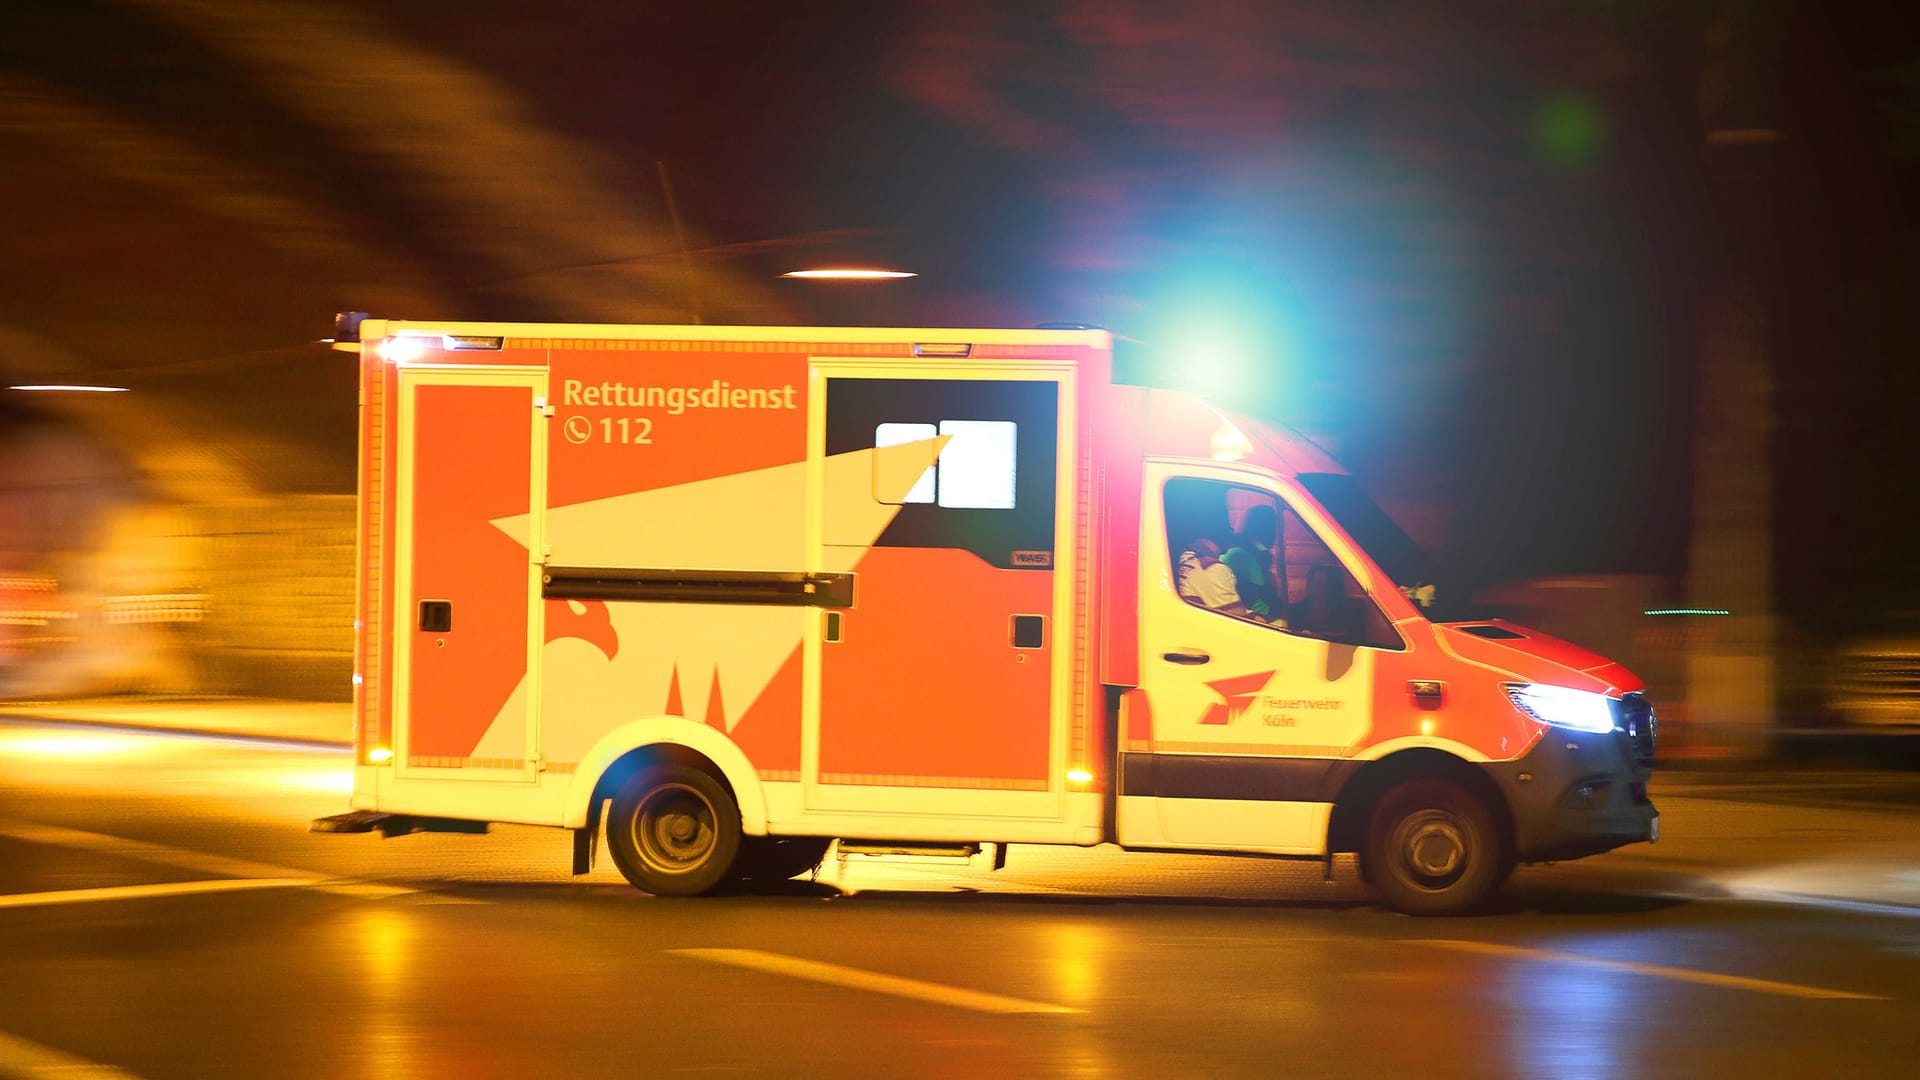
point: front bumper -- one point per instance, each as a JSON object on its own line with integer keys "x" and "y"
{"x": 1577, "y": 794}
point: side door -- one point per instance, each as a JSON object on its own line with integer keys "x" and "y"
{"x": 943, "y": 689}
{"x": 471, "y": 454}
{"x": 1254, "y": 706}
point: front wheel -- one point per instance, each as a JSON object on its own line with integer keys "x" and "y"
{"x": 1432, "y": 848}
{"x": 673, "y": 830}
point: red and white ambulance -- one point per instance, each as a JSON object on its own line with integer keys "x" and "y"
{"x": 737, "y": 592}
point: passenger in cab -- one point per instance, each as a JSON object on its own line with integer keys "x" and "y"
{"x": 1251, "y": 560}
{"x": 1205, "y": 580}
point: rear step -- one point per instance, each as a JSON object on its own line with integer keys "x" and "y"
{"x": 909, "y": 847}
{"x": 922, "y": 848}
{"x": 390, "y": 825}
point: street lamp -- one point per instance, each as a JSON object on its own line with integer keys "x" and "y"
{"x": 848, "y": 273}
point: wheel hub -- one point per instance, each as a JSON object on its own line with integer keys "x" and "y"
{"x": 674, "y": 830}
{"x": 680, "y": 827}
{"x": 1434, "y": 846}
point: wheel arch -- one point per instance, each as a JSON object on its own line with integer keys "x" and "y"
{"x": 663, "y": 738}
{"x": 1353, "y": 806}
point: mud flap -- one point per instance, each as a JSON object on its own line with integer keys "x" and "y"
{"x": 586, "y": 848}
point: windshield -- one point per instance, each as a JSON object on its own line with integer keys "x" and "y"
{"x": 1385, "y": 542}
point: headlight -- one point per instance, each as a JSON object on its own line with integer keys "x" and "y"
{"x": 1561, "y": 707}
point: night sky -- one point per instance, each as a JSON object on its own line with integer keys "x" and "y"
{"x": 1466, "y": 242}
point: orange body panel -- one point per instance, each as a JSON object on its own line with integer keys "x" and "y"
{"x": 695, "y": 433}
{"x": 925, "y": 684}
{"x": 470, "y": 468}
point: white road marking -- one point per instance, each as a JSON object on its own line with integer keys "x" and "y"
{"x": 142, "y": 892}
{"x": 856, "y": 979}
{"x": 24, "y": 1060}
{"x": 60, "y": 836}
{"x": 1707, "y": 978}
{"x": 1831, "y": 903}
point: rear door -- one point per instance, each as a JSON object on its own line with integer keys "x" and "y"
{"x": 467, "y": 633}
{"x": 943, "y": 689}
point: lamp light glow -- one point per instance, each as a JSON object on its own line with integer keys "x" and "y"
{"x": 848, "y": 273}
{"x": 406, "y": 348}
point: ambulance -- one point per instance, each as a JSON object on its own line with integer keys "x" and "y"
{"x": 732, "y": 594}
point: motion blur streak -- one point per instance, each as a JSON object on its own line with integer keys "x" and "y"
{"x": 487, "y": 157}
{"x": 71, "y": 746}
{"x": 21, "y": 1058}
{"x": 1576, "y": 1015}
{"x": 1076, "y": 959}
{"x": 223, "y": 186}
{"x": 145, "y": 892}
{"x": 326, "y": 781}
{"x": 1707, "y": 978}
{"x": 385, "y": 940}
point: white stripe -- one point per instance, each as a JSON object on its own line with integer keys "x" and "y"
{"x": 142, "y": 892}
{"x": 60, "y": 836}
{"x": 30, "y": 1061}
{"x": 1708, "y": 978}
{"x": 856, "y": 979}
{"x": 1834, "y": 903}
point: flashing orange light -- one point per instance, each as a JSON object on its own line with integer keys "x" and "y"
{"x": 379, "y": 755}
{"x": 1080, "y": 776}
{"x": 1230, "y": 443}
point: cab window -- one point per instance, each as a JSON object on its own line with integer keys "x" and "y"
{"x": 1243, "y": 553}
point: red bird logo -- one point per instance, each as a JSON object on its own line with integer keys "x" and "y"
{"x": 592, "y": 623}
{"x": 1236, "y": 696}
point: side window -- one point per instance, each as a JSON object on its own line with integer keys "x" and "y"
{"x": 1322, "y": 599}
{"x": 1219, "y": 561}
{"x": 1242, "y": 552}
{"x": 975, "y": 472}
{"x": 992, "y": 490}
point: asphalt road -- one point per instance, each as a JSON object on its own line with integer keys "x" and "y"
{"x": 164, "y": 913}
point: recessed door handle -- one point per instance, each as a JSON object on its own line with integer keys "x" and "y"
{"x": 1186, "y": 656}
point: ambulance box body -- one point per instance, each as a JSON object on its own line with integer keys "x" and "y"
{"x": 738, "y": 592}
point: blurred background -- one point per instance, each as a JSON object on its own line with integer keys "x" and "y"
{"x": 1608, "y": 301}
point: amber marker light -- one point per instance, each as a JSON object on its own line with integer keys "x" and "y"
{"x": 1230, "y": 443}
{"x": 848, "y": 273}
{"x": 379, "y": 755}
{"x": 1080, "y": 776}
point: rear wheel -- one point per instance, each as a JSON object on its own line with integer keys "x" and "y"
{"x": 673, "y": 830}
{"x": 1432, "y": 848}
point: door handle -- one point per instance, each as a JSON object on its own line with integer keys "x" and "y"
{"x": 1186, "y": 656}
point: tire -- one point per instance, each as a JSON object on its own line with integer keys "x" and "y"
{"x": 777, "y": 858}
{"x": 1433, "y": 848}
{"x": 673, "y": 830}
